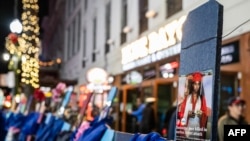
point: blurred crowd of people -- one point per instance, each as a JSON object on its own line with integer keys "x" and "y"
{"x": 146, "y": 121}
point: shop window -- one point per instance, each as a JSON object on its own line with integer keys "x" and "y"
{"x": 173, "y": 6}
{"x": 143, "y": 21}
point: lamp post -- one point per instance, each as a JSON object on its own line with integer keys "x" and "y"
{"x": 15, "y": 28}
{"x": 15, "y": 62}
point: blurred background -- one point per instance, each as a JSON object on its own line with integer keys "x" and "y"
{"x": 135, "y": 43}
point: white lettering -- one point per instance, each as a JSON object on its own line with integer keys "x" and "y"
{"x": 226, "y": 59}
{"x": 135, "y": 50}
{"x": 243, "y": 131}
{"x": 231, "y": 132}
{"x": 170, "y": 30}
{"x": 166, "y": 36}
{"x": 153, "y": 57}
{"x": 157, "y": 41}
{"x": 153, "y": 42}
{"x": 227, "y": 50}
{"x": 237, "y": 131}
{"x": 140, "y": 49}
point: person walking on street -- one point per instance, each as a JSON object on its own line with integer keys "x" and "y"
{"x": 138, "y": 113}
{"x": 148, "y": 122}
{"x": 234, "y": 115}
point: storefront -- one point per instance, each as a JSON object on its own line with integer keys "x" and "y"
{"x": 155, "y": 57}
{"x": 157, "y": 82}
{"x": 236, "y": 73}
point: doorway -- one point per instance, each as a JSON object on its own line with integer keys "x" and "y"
{"x": 229, "y": 87}
{"x": 131, "y": 105}
{"x": 164, "y": 96}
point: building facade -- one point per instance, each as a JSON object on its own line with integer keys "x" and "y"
{"x": 127, "y": 37}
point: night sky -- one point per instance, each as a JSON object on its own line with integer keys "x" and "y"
{"x": 7, "y": 15}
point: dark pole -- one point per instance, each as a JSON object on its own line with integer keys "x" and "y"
{"x": 15, "y": 8}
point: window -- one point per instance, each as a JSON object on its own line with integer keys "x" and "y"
{"x": 71, "y": 6}
{"x": 94, "y": 41}
{"x": 75, "y": 3}
{"x": 78, "y": 30}
{"x": 74, "y": 38}
{"x": 68, "y": 8}
{"x": 124, "y": 20}
{"x": 68, "y": 43}
{"x": 173, "y": 6}
{"x": 108, "y": 9}
{"x": 84, "y": 48}
{"x": 85, "y": 5}
{"x": 143, "y": 21}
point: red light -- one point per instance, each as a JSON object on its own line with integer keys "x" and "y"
{"x": 8, "y": 97}
{"x": 174, "y": 64}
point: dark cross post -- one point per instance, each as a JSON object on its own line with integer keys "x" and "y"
{"x": 200, "y": 65}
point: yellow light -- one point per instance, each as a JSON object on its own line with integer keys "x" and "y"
{"x": 7, "y": 104}
{"x": 30, "y": 35}
{"x": 17, "y": 98}
{"x": 58, "y": 60}
{"x": 23, "y": 80}
{"x": 18, "y": 71}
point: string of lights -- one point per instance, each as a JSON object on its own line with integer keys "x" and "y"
{"x": 30, "y": 61}
{"x": 50, "y": 63}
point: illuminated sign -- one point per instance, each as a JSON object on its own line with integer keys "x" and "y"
{"x": 97, "y": 75}
{"x": 168, "y": 52}
{"x": 154, "y": 46}
{"x": 168, "y": 70}
{"x": 133, "y": 77}
{"x": 230, "y": 53}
